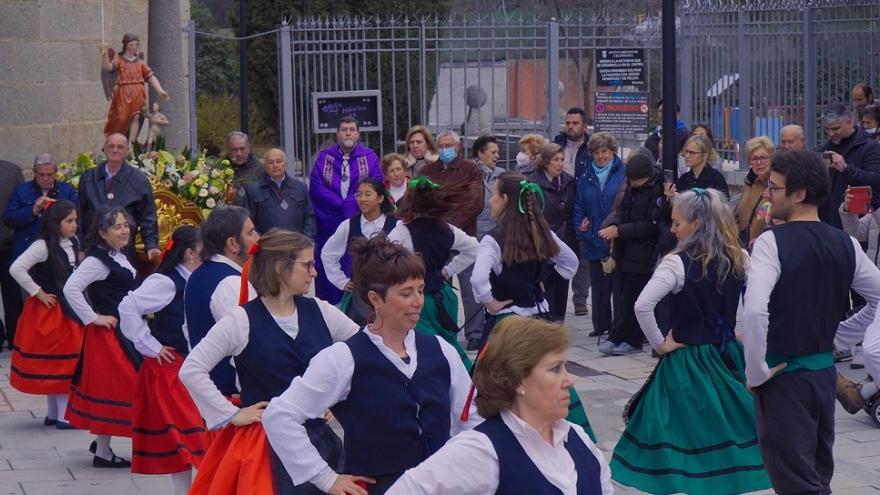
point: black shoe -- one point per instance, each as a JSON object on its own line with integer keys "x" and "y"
{"x": 473, "y": 344}
{"x": 581, "y": 310}
{"x": 114, "y": 462}
{"x": 64, "y": 425}
{"x": 596, "y": 333}
{"x": 93, "y": 447}
{"x": 49, "y": 422}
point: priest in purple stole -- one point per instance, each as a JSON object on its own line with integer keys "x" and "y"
{"x": 333, "y": 184}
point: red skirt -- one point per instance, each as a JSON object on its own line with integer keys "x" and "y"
{"x": 169, "y": 434}
{"x": 236, "y": 462}
{"x": 46, "y": 350}
{"x": 101, "y": 401}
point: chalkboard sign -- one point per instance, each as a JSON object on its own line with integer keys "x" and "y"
{"x": 329, "y": 107}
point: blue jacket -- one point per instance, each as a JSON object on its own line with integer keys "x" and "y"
{"x": 19, "y": 214}
{"x": 595, "y": 203}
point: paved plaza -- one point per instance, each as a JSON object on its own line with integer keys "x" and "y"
{"x": 37, "y": 460}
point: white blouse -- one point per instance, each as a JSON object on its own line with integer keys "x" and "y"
{"x": 225, "y": 296}
{"x": 335, "y": 247}
{"x": 89, "y": 271}
{"x": 468, "y": 463}
{"x": 397, "y": 192}
{"x": 229, "y": 337}
{"x": 153, "y": 295}
{"x": 36, "y": 253}
{"x": 327, "y": 382}
{"x": 489, "y": 259}
{"x": 466, "y": 246}
{"x": 668, "y": 277}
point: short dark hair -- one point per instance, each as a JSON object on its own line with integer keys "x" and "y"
{"x": 873, "y": 111}
{"x": 866, "y": 90}
{"x": 348, "y": 119}
{"x": 481, "y": 143}
{"x": 660, "y": 104}
{"x": 804, "y": 171}
{"x": 378, "y": 264}
{"x": 105, "y": 218}
{"x": 578, "y": 110}
{"x": 223, "y": 222}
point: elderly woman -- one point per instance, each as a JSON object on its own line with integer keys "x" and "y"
{"x": 525, "y": 445}
{"x": 420, "y": 149}
{"x": 594, "y": 199}
{"x": 559, "y": 187}
{"x": 529, "y": 147}
{"x": 759, "y": 151}
{"x": 394, "y": 168}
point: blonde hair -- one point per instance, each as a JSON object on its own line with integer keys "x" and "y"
{"x": 426, "y": 133}
{"x": 515, "y": 347}
{"x": 531, "y": 144}
{"x": 546, "y": 154}
{"x": 757, "y": 143}
{"x": 706, "y": 146}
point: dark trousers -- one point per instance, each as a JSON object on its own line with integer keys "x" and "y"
{"x": 12, "y": 300}
{"x": 473, "y": 311}
{"x": 556, "y": 294}
{"x": 795, "y": 414}
{"x": 626, "y": 328}
{"x": 603, "y": 286}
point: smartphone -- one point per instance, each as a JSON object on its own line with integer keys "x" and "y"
{"x": 827, "y": 157}
{"x": 668, "y": 176}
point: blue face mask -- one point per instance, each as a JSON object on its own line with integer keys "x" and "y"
{"x": 447, "y": 154}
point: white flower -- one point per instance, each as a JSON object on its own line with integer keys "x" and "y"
{"x": 203, "y": 193}
{"x": 210, "y": 203}
{"x": 213, "y": 190}
{"x": 215, "y": 173}
{"x": 181, "y": 183}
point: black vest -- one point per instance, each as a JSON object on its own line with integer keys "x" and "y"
{"x": 167, "y": 324}
{"x": 520, "y": 282}
{"x": 354, "y": 232}
{"x": 433, "y": 240}
{"x": 105, "y": 295}
{"x": 701, "y": 313}
{"x": 812, "y": 294}
{"x": 271, "y": 359}
{"x": 42, "y": 275}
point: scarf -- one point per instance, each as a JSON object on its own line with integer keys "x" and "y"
{"x": 602, "y": 173}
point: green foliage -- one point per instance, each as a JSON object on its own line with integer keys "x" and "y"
{"x": 215, "y": 115}
{"x": 216, "y": 59}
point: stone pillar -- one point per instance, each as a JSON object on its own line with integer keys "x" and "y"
{"x": 167, "y": 56}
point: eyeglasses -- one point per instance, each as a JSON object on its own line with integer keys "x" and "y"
{"x": 759, "y": 159}
{"x": 773, "y": 188}
{"x": 692, "y": 153}
{"x": 309, "y": 264}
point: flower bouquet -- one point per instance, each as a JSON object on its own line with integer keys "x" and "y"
{"x": 201, "y": 181}
{"x": 70, "y": 172}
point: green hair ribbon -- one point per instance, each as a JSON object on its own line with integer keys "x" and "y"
{"x": 526, "y": 186}
{"x": 421, "y": 180}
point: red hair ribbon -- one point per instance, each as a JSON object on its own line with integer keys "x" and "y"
{"x": 465, "y": 413}
{"x": 243, "y": 290}
{"x": 168, "y": 247}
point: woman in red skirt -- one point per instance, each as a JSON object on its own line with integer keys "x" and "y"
{"x": 169, "y": 434}
{"x": 48, "y": 337}
{"x": 272, "y": 339}
{"x": 106, "y": 376}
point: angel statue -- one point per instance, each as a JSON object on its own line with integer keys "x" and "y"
{"x": 123, "y": 78}
{"x": 152, "y": 128}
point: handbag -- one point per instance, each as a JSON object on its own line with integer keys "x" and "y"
{"x": 608, "y": 263}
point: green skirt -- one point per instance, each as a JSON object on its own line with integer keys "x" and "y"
{"x": 692, "y": 428}
{"x": 429, "y": 320}
{"x": 577, "y": 414}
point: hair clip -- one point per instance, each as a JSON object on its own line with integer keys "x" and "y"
{"x": 422, "y": 181}
{"x": 700, "y": 192}
{"x": 254, "y": 249}
{"x": 525, "y": 186}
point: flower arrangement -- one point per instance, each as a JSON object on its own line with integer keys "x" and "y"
{"x": 71, "y": 172}
{"x": 201, "y": 181}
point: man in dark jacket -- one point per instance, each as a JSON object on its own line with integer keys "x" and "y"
{"x": 681, "y": 133}
{"x": 577, "y": 158}
{"x": 29, "y": 200}
{"x": 635, "y": 226}
{"x": 10, "y": 177}
{"x": 277, "y": 199}
{"x": 114, "y": 182}
{"x": 238, "y": 152}
{"x": 854, "y": 161}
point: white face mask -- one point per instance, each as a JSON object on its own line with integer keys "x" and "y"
{"x": 522, "y": 159}
{"x": 871, "y": 132}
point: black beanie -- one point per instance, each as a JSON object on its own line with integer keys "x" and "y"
{"x": 639, "y": 166}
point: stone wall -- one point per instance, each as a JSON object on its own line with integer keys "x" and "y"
{"x": 51, "y": 97}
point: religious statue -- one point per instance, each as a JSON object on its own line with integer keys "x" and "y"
{"x": 123, "y": 77}
{"x": 152, "y": 130}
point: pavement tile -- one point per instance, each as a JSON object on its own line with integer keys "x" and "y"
{"x": 84, "y": 487}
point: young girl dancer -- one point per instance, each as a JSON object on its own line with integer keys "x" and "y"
{"x": 691, "y": 428}
{"x": 169, "y": 435}
{"x": 104, "y": 384}
{"x": 272, "y": 339}
{"x": 515, "y": 257}
{"x": 445, "y": 249}
{"x": 375, "y": 216}
{"x": 49, "y": 337}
